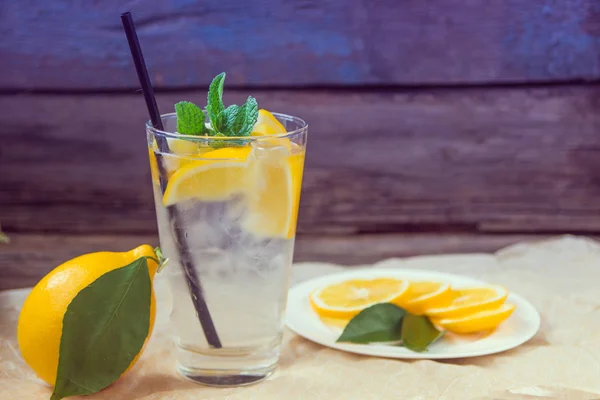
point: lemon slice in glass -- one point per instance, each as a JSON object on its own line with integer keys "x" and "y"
{"x": 216, "y": 177}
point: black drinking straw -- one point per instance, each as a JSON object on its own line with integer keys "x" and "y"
{"x": 193, "y": 281}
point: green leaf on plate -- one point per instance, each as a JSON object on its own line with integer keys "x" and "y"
{"x": 418, "y": 332}
{"x": 378, "y": 323}
{"x": 104, "y": 329}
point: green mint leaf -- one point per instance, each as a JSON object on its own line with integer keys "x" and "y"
{"x": 246, "y": 117}
{"x": 190, "y": 119}
{"x": 104, "y": 329}
{"x": 214, "y": 104}
{"x": 379, "y": 323}
{"x": 418, "y": 332}
{"x": 230, "y": 114}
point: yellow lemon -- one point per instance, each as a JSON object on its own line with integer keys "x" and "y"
{"x": 478, "y": 321}
{"x": 346, "y": 299}
{"x": 40, "y": 321}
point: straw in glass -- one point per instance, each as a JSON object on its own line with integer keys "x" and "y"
{"x": 193, "y": 281}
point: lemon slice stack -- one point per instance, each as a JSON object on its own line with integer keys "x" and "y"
{"x": 465, "y": 310}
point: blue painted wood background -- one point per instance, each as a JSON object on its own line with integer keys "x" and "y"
{"x": 79, "y": 45}
{"x": 507, "y": 158}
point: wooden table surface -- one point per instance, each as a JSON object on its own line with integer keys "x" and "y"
{"x": 558, "y": 277}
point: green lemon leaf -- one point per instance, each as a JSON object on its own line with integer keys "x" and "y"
{"x": 379, "y": 323}
{"x": 104, "y": 329}
{"x": 214, "y": 102}
{"x": 418, "y": 332}
{"x": 190, "y": 118}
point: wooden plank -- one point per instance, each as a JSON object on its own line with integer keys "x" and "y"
{"x": 68, "y": 44}
{"x": 366, "y": 249}
{"x": 503, "y": 159}
{"x": 29, "y": 257}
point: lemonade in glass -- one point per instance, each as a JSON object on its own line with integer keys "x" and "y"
{"x": 237, "y": 204}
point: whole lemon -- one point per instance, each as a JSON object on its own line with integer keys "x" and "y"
{"x": 41, "y": 318}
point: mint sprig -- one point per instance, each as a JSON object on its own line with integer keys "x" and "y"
{"x": 224, "y": 122}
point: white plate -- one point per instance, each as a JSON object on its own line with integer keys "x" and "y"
{"x": 516, "y": 330}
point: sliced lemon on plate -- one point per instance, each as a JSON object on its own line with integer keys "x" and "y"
{"x": 273, "y": 191}
{"x": 479, "y": 321}
{"x": 335, "y": 322}
{"x": 217, "y": 176}
{"x": 468, "y": 301}
{"x": 346, "y": 299}
{"x": 424, "y": 295}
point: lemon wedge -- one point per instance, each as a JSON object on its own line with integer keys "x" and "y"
{"x": 346, "y": 299}
{"x": 273, "y": 191}
{"x": 267, "y": 124}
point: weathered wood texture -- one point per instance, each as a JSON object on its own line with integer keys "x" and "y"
{"x": 482, "y": 159}
{"x": 29, "y": 257}
{"x": 70, "y": 44}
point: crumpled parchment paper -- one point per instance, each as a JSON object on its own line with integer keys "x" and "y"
{"x": 561, "y": 277}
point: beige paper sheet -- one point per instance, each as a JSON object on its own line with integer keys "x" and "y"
{"x": 561, "y": 277}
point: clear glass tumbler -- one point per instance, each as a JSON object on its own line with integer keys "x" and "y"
{"x": 227, "y": 210}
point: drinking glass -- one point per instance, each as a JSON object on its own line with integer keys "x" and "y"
{"x": 227, "y": 210}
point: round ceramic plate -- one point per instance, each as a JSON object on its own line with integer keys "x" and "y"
{"x": 516, "y": 330}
